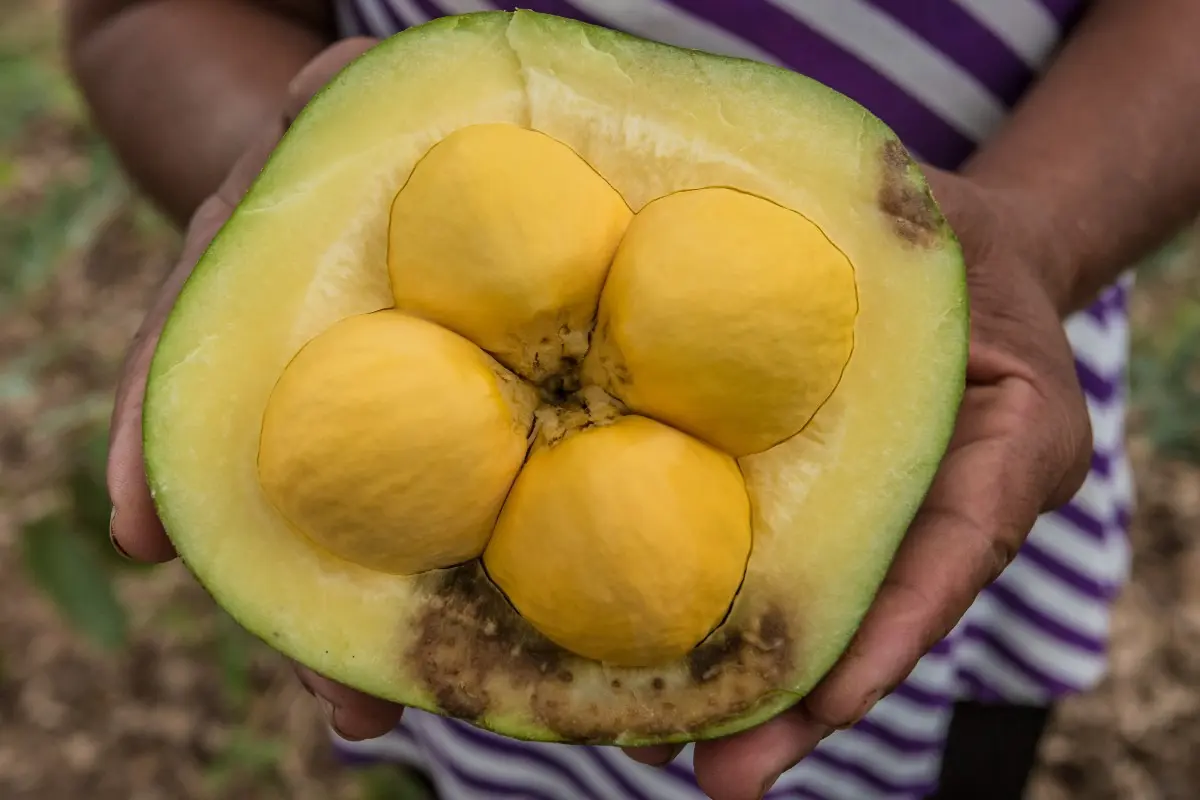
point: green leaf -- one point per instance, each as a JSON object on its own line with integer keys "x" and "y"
{"x": 67, "y": 219}
{"x": 388, "y": 782}
{"x": 234, "y": 654}
{"x": 1165, "y": 380}
{"x": 245, "y": 755}
{"x": 68, "y": 568}
{"x": 27, "y": 89}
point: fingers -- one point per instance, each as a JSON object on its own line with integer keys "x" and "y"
{"x": 986, "y": 498}
{"x": 318, "y": 72}
{"x": 351, "y": 713}
{"x": 654, "y": 755}
{"x": 745, "y": 766}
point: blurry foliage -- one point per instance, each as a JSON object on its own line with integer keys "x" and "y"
{"x": 66, "y": 555}
{"x": 246, "y": 757}
{"x": 1165, "y": 379}
{"x": 65, "y": 551}
{"x": 32, "y": 83}
{"x": 385, "y": 783}
{"x": 36, "y": 100}
{"x": 1164, "y": 368}
{"x": 65, "y": 221}
{"x": 235, "y": 655}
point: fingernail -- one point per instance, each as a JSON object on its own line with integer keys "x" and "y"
{"x": 330, "y": 712}
{"x": 112, "y": 536}
{"x": 671, "y": 755}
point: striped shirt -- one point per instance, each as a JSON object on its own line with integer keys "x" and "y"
{"x": 943, "y": 74}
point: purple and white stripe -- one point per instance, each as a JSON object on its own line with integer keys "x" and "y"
{"x": 943, "y": 74}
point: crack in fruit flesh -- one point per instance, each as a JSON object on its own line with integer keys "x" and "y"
{"x": 398, "y": 444}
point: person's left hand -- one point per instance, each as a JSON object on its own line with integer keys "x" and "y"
{"x": 135, "y": 528}
{"x": 1021, "y": 446}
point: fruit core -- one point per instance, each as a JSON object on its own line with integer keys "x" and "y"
{"x": 563, "y": 389}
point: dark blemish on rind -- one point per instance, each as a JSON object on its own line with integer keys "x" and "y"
{"x": 914, "y": 213}
{"x": 460, "y": 701}
{"x": 895, "y": 156}
{"x": 476, "y": 656}
{"x": 734, "y": 648}
{"x": 772, "y": 629}
{"x": 705, "y": 662}
{"x": 468, "y": 632}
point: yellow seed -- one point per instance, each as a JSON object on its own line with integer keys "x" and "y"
{"x": 727, "y": 316}
{"x": 505, "y": 235}
{"x": 624, "y": 543}
{"x": 391, "y": 442}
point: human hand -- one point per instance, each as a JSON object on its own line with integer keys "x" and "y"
{"x": 1021, "y": 446}
{"x": 135, "y": 528}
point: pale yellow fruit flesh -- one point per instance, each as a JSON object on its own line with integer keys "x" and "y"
{"x": 727, "y": 316}
{"x": 392, "y": 442}
{"x": 505, "y": 235}
{"x": 724, "y": 314}
{"x": 307, "y": 247}
{"x": 624, "y": 543}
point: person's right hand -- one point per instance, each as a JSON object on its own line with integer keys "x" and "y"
{"x": 135, "y": 528}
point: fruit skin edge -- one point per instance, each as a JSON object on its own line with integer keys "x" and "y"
{"x": 771, "y": 704}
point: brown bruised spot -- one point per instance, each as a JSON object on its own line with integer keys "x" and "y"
{"x": 467, "y": 633}
{"x": 915, "y": 214}
{"x": 605, "y": 365}
{"x": 740, "y": 667}
{"x": 478, "y": 658}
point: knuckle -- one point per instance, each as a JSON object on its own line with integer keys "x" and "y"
{"x": 1004, "y": 549}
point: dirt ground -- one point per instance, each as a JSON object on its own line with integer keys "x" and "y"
{"x": 150, "y": 692}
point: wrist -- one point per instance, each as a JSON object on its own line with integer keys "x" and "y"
{"x": 1028, "y": 228}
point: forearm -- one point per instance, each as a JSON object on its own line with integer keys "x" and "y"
{"x": 1102, "y": 155}
{"x": 180, "y": 86}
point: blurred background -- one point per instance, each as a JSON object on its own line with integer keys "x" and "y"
{"x": 119, "y": 682}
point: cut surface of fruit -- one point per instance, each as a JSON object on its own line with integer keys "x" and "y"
{"x": 583, "y": 389}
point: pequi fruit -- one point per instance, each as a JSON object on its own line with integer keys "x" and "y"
{"x": 582, "y": 388}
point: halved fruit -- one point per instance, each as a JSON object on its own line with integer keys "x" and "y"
{"x": 574, "y": 385}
